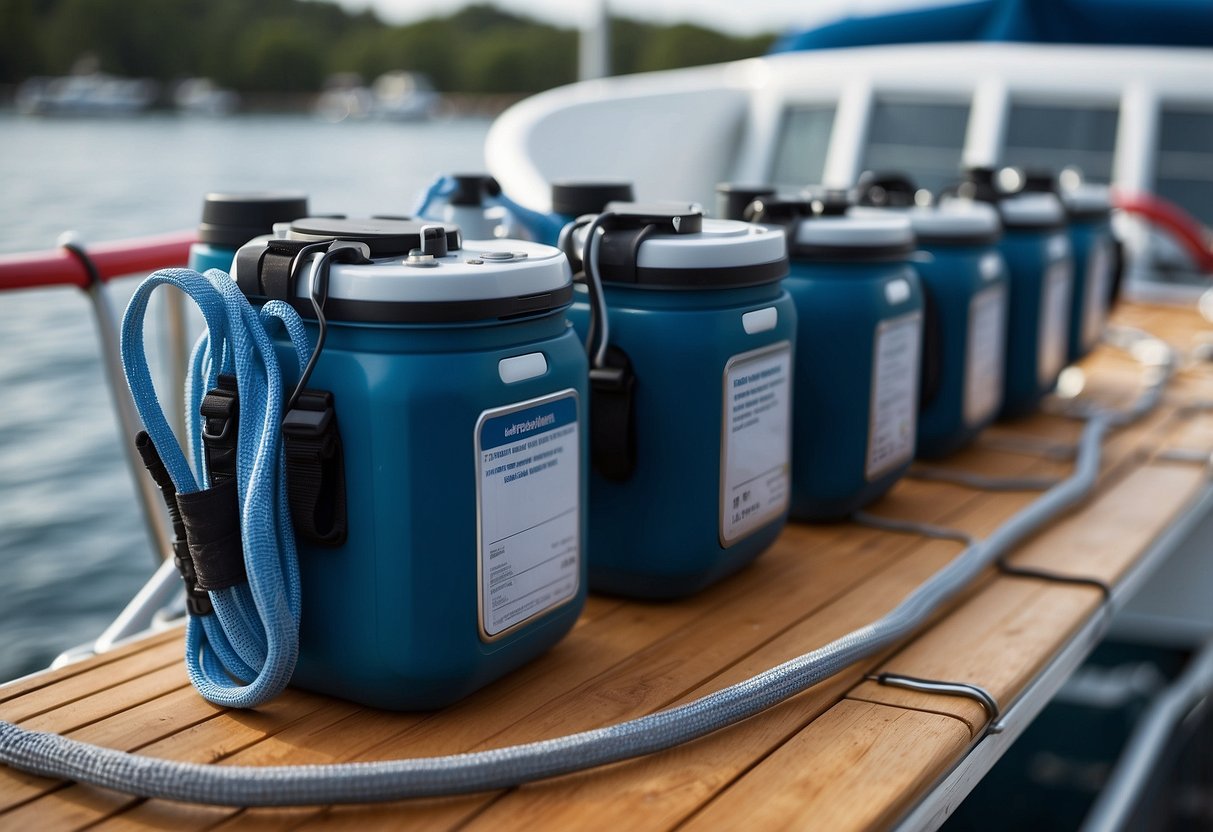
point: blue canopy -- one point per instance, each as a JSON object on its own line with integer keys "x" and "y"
{"x": 1126, "y": 22}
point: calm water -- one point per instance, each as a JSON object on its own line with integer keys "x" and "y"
{"x": 72, "y": 542}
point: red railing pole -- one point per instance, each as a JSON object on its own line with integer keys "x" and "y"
{"x": 1183, "y": 227}
{"x": 56, "y": 267}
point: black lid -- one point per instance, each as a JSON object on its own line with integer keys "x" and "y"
{"x": 778, "y": 210}
{"x": 979, "y": 183}
{"x": 886, "y": 189}
{"x": 1040, "y": 180}
{"x": 572, "y": 199}
{"x": 232, "y": 219}
{"x": 833, "y": 203}
{"x": 385, "y": 237}
{"x": 472, "y": 188}
{"x": 732, "y": 199}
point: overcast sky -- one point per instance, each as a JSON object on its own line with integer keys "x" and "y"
{"x": 728, "y": 15}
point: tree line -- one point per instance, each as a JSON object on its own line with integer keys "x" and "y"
{"x": 294, "y": 45}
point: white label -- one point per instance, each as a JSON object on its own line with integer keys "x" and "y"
{"x": 1054, "y": 321}
{"x": 984, "y": 354}
{"x": 757, "y": 441}
{"x": 528, "y": 501}
{"x": 894, "y": 409}
{"x": 1099, "y": 286}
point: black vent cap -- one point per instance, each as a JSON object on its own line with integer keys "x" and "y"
{"x": 472, "y": 188}
{"x": 776, "y": 210}
{"x": 572, "y": 199}
{"x": 732, "y": 199}
{"x": 1040, "y": 181}
{"x": 886, "y": 189}
{"x": 232, "y": 219}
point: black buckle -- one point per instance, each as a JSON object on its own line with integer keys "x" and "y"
{"x": 311, "y": 416}
{"x": 197, "y": 599}
{"x": 315, "y": 469}
{"x": 220, "y": 412}
{"x": 612, "y": 417}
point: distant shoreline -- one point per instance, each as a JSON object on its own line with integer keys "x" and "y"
{"x": 453, "y": 104}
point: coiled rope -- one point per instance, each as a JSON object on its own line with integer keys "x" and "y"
{"x": 244, "y": 654}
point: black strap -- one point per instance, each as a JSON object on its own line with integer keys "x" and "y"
{"x": 932, "y": 349}
{"x": 212, "y": 527}
{"x": 196, "y": 599}
{"x": 315, "y": 468}
{"x": 266, "y": 272}
{"x": 1118, "y": 273}
{"x": 212, "y": 516}
{"x": 612, "y": 417}
{"x": 220, "y": 417}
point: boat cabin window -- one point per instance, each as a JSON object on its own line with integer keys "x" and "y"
{"x": 804, "y": 137}
{"x": 1183, "y": 170}
{"x": 921, "y": 138}
{"x": 1056, "y": 136}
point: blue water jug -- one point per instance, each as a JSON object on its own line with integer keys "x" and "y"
{"x": 1037, "y": 251}
{"x": 1096, "y": 263}
{"x": 964, "y": 285}
{"x": 229, "y": 220}
{"x": 860, "y": 312}
{"x": 692, "y": 338}
{"x": 460, "y": 392}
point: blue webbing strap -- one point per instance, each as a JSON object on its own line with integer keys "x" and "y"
{"x": 244, "y": 654}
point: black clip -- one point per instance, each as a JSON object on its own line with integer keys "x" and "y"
{"x": 315, "y": 469}
{"x": 612, "y": 416}
{"x": 220, "y": 412}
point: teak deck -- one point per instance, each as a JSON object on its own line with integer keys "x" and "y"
{"x": 847, "y": 754}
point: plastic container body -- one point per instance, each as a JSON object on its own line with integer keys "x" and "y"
{"x": 416, "y": 609}
{"x": 857, "y": 378}
{"x": 1094, "y": 251}
{"x": 1041, "y": 272}
{"x": 690, "y": 514}
{"x": 964, "y": 343}
{"x": 204, "y": 256}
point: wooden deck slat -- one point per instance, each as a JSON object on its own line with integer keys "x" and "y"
{"x": 36, "y": 681}
{"x": 854, "y": 768}
{"x": 847, "y": 754}
{"x": 1103, "y": 538}
{"x": 994, "y": 640}
{"x": 89, "y": 679}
